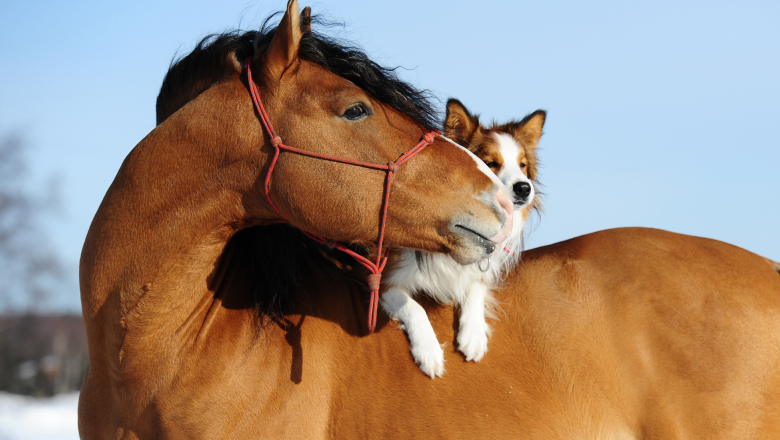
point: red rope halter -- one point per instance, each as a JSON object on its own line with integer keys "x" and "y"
{"x": 378, "y": 266}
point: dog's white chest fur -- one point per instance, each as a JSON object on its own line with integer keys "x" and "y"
{"x": 442, "y": 278}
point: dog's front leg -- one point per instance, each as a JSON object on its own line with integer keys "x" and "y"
{"x": 474, "y": 331}
{"x": 425, "y": 347}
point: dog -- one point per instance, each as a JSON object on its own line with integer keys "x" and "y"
{"x": 509, "y": 150}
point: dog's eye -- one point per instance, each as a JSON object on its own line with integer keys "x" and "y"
{"x": 492, "y": 164}
{"x": 356, "y": 112}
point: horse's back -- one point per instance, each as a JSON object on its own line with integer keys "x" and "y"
{"x": 680, "y": 334}
{"x": 626, "y": 333}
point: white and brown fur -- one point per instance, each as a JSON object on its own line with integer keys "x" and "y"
{"x": 509, "y": 150}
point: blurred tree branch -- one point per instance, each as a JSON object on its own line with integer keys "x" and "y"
{"x": 29, "y": 267}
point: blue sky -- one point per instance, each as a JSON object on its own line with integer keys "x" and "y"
{"x": 660, "y": 114}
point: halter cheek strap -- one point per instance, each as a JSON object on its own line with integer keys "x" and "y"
{"x": 376, "y": 267}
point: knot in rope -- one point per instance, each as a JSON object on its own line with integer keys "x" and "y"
{"x": 429, "y": 137}
{"x": 276, "y": 141}
{"x": 374, "y": 281}
{"x": 392, "y": 167}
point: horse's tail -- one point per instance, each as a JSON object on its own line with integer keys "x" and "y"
{"x": 775, "y": 265}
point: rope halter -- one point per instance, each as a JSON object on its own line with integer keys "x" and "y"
{"x": 375, "y": 267}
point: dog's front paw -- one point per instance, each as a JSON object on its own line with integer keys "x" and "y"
{"x": 429, "y": 356}
{"x": 473, "y": 340}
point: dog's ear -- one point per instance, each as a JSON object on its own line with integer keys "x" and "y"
{"x": 527, "y": 133}
{"x": 459, "y": 124}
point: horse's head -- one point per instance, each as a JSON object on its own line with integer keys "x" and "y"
{"x": 443, "y": 200}
{"x": 324, "y": 97}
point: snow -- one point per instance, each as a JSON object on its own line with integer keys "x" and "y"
{"x": 30, "y": 418}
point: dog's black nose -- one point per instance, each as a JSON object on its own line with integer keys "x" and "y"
{"x": 522, "y": 189}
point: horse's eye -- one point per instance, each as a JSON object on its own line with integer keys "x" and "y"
{"x": 522, "y": 165}
{"x": 492, "y": 164}
{"x": 356, "y": 112}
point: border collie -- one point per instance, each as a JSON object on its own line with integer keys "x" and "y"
{"x": 509, "y": 150}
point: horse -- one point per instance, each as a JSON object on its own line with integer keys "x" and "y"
{"x": 626, "y": 333}
{"x": 152, "y": 260}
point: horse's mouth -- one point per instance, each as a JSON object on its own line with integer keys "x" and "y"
{"x": 480, "y": 239}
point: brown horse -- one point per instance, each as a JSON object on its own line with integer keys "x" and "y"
{"x": 630, "y": 333}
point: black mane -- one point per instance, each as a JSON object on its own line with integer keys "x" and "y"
{"x": 210, "y": 60}
{"x": 277, "y": 255}
{"x": 191, "y": 75}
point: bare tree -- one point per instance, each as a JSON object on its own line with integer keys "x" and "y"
{"x": 40, "y": 354}
{"x": 29, "y": 267}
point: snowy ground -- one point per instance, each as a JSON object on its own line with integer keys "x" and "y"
{"x": 29, "y": 418}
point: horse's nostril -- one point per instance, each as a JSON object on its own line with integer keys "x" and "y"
{"x": 522, "y": 189}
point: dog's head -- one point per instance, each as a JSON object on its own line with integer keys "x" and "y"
{"x": 508, "y": 149}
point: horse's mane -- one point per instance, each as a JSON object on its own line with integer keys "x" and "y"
{"x": 213, "y": 57}
{"x": 277, "y": 255}
{"x": 191, "y": 75}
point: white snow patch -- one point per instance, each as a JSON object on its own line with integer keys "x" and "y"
{"x": 31, "y": 418}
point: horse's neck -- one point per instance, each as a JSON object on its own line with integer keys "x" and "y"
{"x": 176, "y": 201}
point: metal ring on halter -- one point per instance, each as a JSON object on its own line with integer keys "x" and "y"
{"x": 479, "y": 265}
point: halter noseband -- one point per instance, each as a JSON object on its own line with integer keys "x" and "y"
{"x": 391, "y": 168}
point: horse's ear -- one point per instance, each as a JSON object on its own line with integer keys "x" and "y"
{"x": 528, "y": 131}
{"x": 282, "y": 52}
{"x": 459, "y": 124}
{"x": 306, "y": 20}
